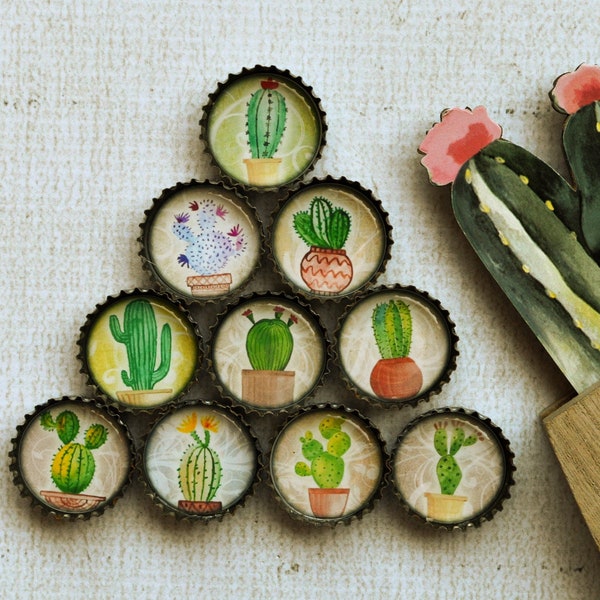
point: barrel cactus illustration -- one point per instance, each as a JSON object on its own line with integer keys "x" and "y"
{"x": 266, "y": 119}
{"x": 326, "y": 466}
{"x": 395, "y": 375}
{"x": 538, "y": 234}
{"x": 73, "y": 466}
{"x": 269, "y": 342}
{"x": 200, "y": 469}
{"x": 139, "y": 334}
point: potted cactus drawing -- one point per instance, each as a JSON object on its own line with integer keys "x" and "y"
{"x": 200, "y": 470}
{"x": 269, "y": 346}
{"x": 326, "y": 269}
{"x": 73, "y": 465}
{"x": 326, "y": 467}
{"x": 395, "y": 375}
{"x": 446, "y": 506}
{"x": 265, "y": 124}
{"x": 139, "y": 334}
{"x": 208, "y": 249}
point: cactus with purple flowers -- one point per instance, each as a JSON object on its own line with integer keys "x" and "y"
{"x": 266, "y": 118}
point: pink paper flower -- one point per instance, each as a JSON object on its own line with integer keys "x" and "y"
{"x": 577, "y": 89}
{"x": 450, "y": 143}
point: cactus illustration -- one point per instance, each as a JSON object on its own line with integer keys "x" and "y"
{"x": 266, "y": 118}
{"x": 200, "y": 469}
{"x": 323, "y": 225}
{"x": 392, "y": 326}
{"x": 208, "y": 249}
{"x": 73, "y": 466}
{"x": 448, "y": 472}
{"x": 269, "y": 343}
{"x": 326, "y": 466}
{"x": 139, "y": 334}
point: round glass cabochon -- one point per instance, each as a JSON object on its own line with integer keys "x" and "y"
{"x": 141, "y": 350}
{"x": 395, "y": 345}
{"x": 326, "y": 464}
{"x": 264, "y": 129}
{"x": 449, "y": 467}
{"x": 201, "y": 240}
{"x": 200, "y": 460}
{"x": 330, "y": 239}
{"x": 74, "y": 457}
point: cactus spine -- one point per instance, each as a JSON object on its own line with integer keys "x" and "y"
{"x": 326, "y": 466}
{"x": 269, "y": 343}
{"x": 392, "y": 326}
{"x": 266, "y": 117}
{"x": 139, "y": 334}
{"x": 73, "y": 466}
{"x": 323, "y": 225}
{"x": 448, "y": 472}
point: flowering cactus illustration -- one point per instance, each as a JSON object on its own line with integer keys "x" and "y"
{"x": 447, "y": 470}
{"x": 208, "y": 250}
{"x": 139, "y": 334}
{"x": 537, "y": 234}
{"x": 269, "y": 343}
{"x": 326, "y": 466}
{"x": 73, "y": 466}
{"x": 200, "y": 469}
{"x": 323, "y": 225}
{"x": 266, "y": 118}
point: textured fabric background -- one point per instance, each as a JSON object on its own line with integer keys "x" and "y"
{"x": 99, "y": 110}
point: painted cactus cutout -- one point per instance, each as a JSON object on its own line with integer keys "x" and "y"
{"x": 537, "y": 234}
{"x": 200, "y": 470}
{"x": 73, "y": 466}
{"x": 266, "y": 118}
{"x": 139, "y": 334}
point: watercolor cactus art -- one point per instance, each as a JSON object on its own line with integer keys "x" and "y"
{"x": 537, "y": 233}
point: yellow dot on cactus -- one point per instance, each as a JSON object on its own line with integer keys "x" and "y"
{"x": 577, "y": 323}
{"x": 526, "y": 269}
{"x": 549, "y": 205}
{"x": 550, "y": 294}
{"x": 597, "y": 127}
{"x": 524, "y": 179}
{"x": 503, "y": 239}
{"x": 484, "y": 208}
{"x": 500, "y": 160}
{"x": 468, "y": 176}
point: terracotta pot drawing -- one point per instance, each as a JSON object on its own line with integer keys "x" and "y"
{"x": 209, "y": 285}
{"x": 268, "y": 388}
{"x": 445, "y": 507}
{"x": 72, "y": 502}
{"x": 262, "y": 171}
{"x": 328, "y": 503}
{"x": 326, "y": 271}
{"x": 396, "y": 378}
{"x": 199, "y": 507}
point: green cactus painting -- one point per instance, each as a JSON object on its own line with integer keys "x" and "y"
{"x": 326, "y": 467}
{"x": 395, "y": 376}
{"x": 200, "y": 470}
{"x": 139, "y": 334}
{"x": 73, "y": 465}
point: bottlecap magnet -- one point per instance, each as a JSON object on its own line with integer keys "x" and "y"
{"x": 396, "y": 346}
{"x": 452, "y": 468}
{"x": 263, "y": 128}
{"x": 140, "y": 349}
{"x": 201, "y": 241}
{"x": 331, "y": 238}
{"x": 328, "y": 465}
{"x": 268, "y": 352}
{"x": 200, "y": 461}
{"x": 72, "y": 457}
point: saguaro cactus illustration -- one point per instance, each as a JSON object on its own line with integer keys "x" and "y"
{"x": 140, "y": 336}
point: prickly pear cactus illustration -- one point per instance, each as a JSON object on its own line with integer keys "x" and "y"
{"x": 448, "y": 472}
{"x": 200, "y": 469}
{"x": 326, "y": 466}
{"x": 266, "y": 118}
{"x": 323, "y": 225}
{"x": 269, "y": 343}
{"x": 73, "y": 466}
{"x": 208, "y": 249}
{"x": 140, "y": 336}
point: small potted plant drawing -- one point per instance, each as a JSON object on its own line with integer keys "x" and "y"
{"x": 446, "y": 506}
{"x": 208, "y": 249}
{"x": 395, "y": 375}
{"x": 140, "y": 336}
{"x": 328, "y": 500}
{"x": 326, "y": 269}
{"x": 73, "y": 466}
{"x": 266, "y": 119}
{"x": 269, "y": 346}
{"x": 200, "y": 469}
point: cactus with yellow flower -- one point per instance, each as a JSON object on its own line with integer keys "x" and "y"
{"x": 200, "y": 469}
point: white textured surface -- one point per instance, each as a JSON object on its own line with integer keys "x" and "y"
{"x": 99, "y": 105}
